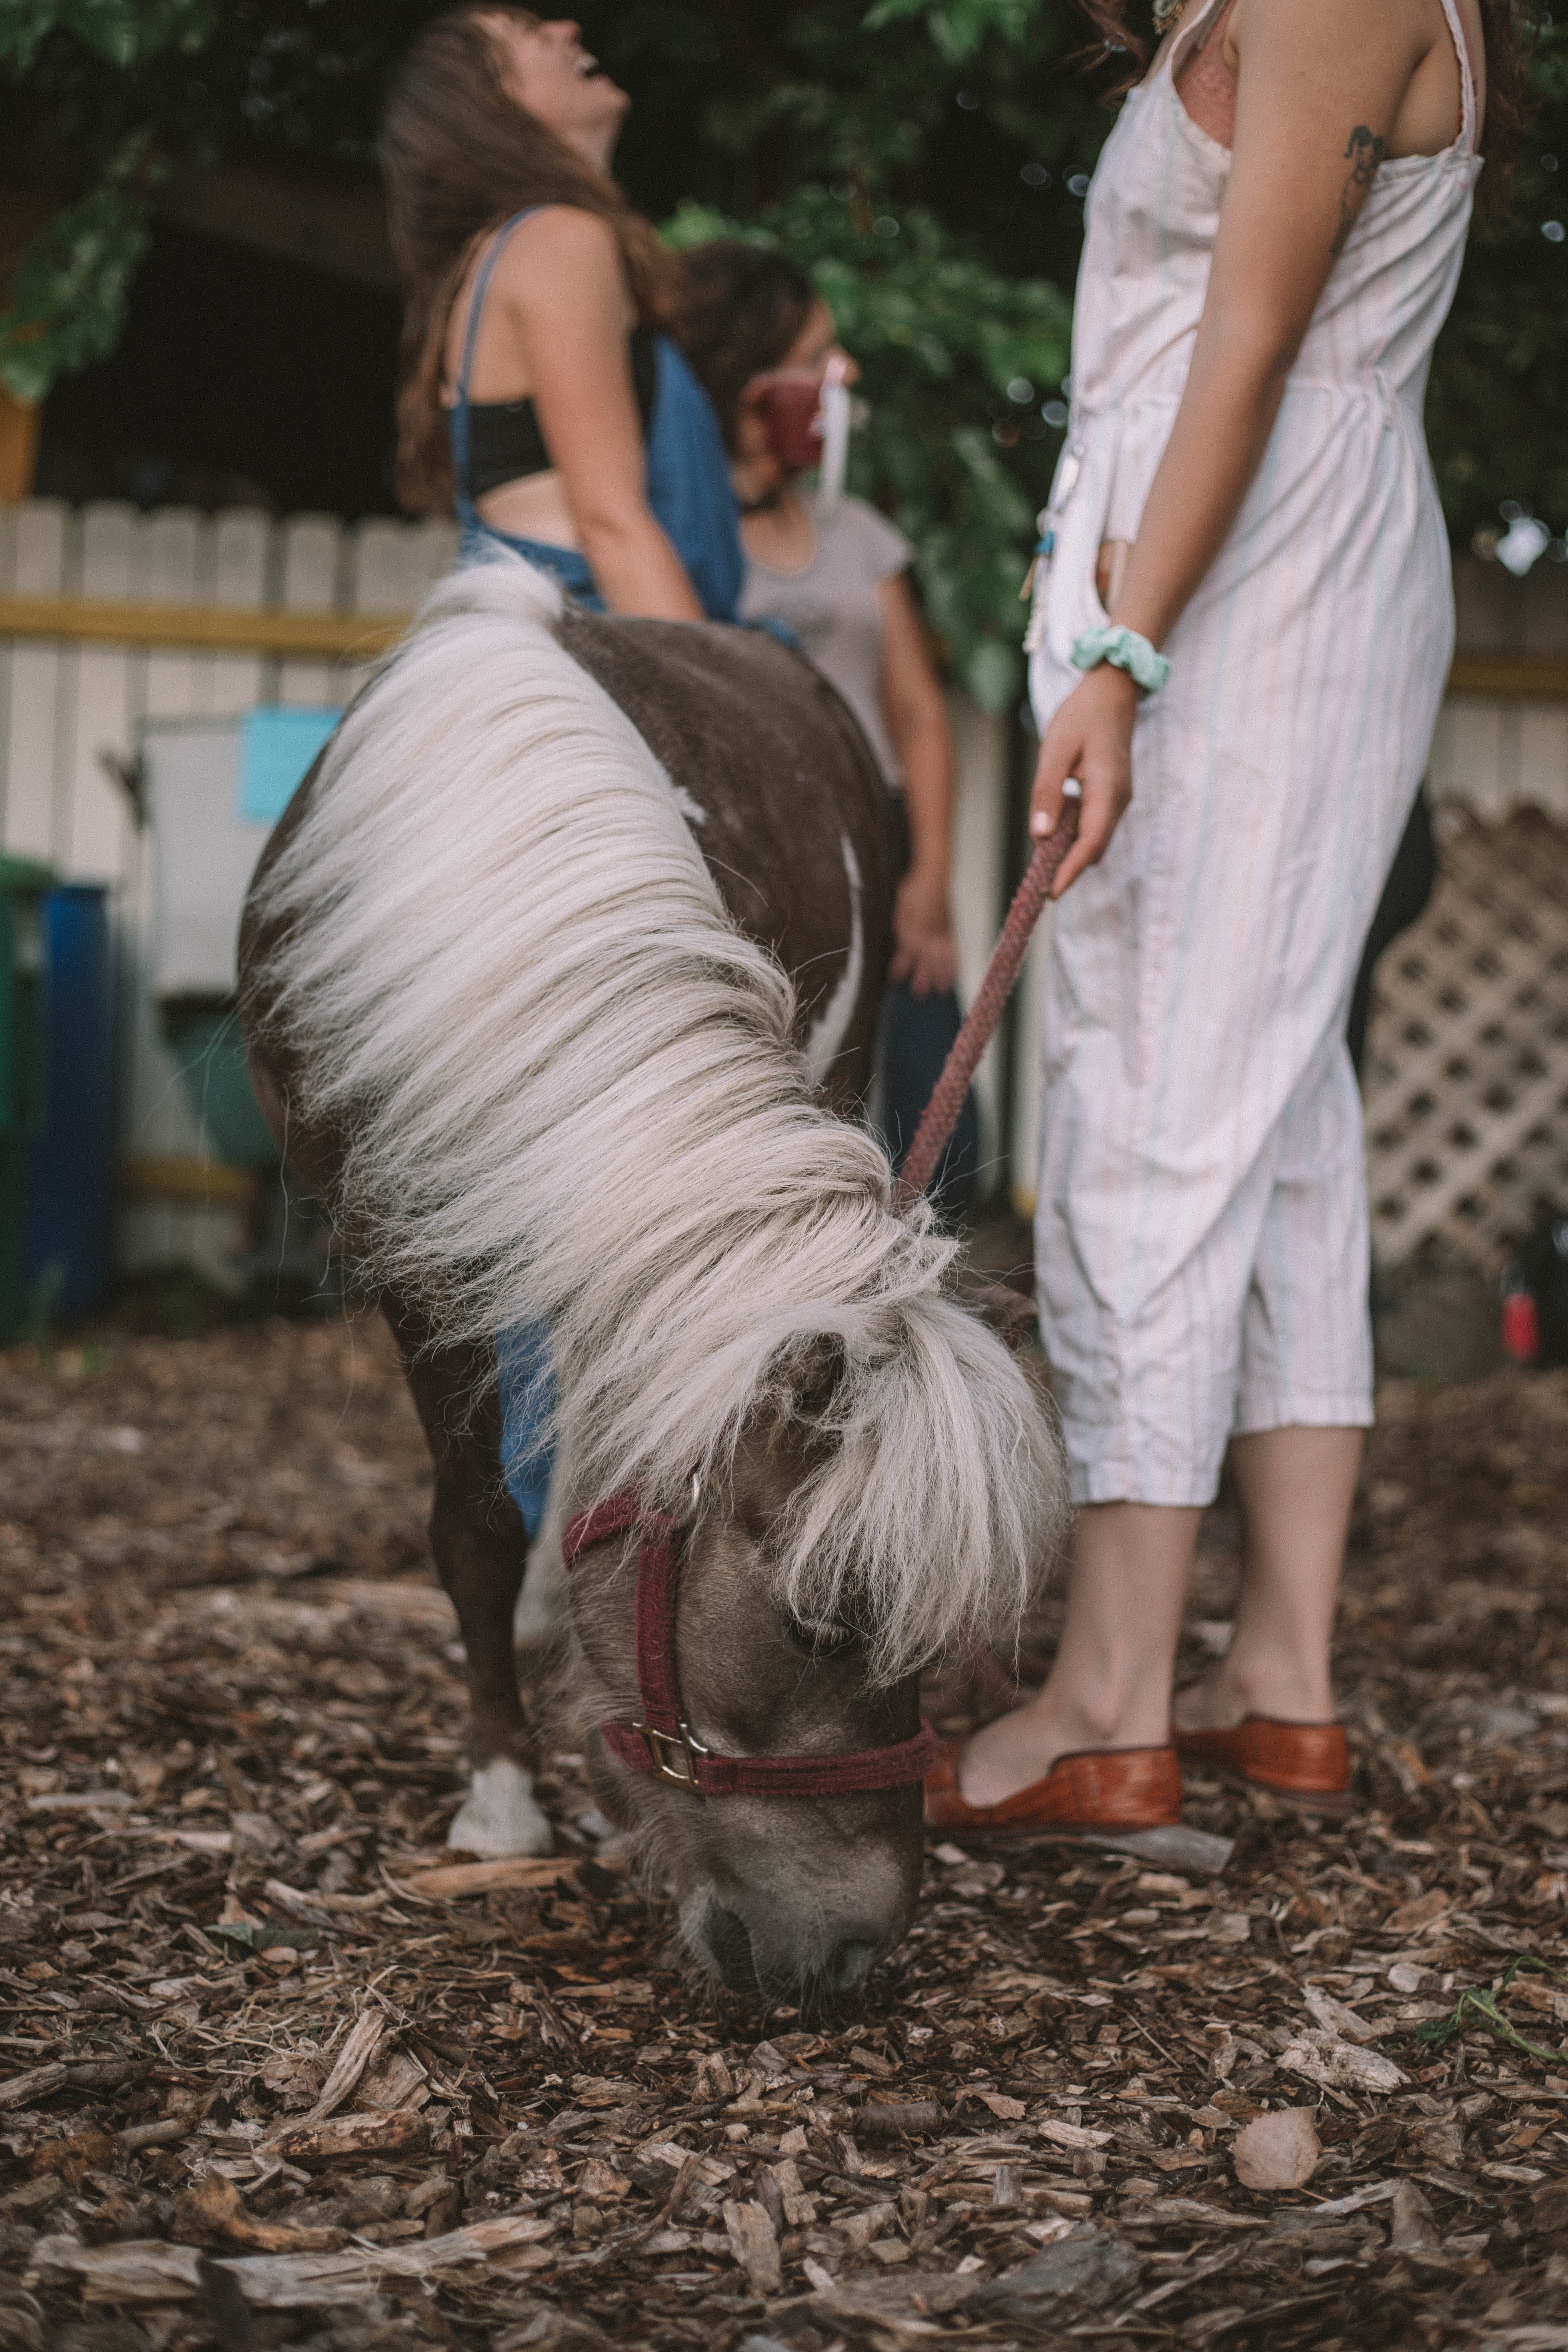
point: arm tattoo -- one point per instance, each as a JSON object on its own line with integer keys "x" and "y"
{"x": 1363, "y": 155}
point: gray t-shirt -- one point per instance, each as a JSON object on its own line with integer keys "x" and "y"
{"x": 831, "y": 605}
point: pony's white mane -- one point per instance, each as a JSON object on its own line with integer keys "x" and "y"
{"x": 573, "y": 1093}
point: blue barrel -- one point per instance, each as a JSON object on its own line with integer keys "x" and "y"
{"x": 71, "y": 1178}
{"x": 23, "y": 995}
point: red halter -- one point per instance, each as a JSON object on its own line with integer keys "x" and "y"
{"x": 662, "y": 1741}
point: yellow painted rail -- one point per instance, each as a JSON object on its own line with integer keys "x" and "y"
{"x": 216, "y": 629}
{"x": 204, "y": 1183}
{"x": 1538, "y": 676}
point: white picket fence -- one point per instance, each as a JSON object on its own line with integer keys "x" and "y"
{"x": 1447, "y": 1165}
{"x": 68, "y": 709}
{"x": 62, "y": 706}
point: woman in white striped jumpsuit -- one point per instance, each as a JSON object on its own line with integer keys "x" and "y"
{"x": 1247, "y": 476}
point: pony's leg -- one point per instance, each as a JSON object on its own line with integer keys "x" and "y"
{"x": 480, "y": 1550}
{"x": 541, "y": 1604}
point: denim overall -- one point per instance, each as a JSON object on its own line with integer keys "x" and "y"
{"x": 687, "y": 479}
{"x": 688, "y": 495}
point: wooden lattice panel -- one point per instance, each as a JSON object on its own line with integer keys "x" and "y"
{"x": 1466, "y": 1081}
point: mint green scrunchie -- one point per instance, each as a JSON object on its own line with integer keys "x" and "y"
{"x": 1123, "y": 649}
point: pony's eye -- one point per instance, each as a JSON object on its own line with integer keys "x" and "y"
{"x": 820, "y": 1637}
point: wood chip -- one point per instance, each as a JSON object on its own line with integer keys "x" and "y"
{"x": 1336, "y": 2019}
{"x": 455, "y": 1878}
{"x": 1065, "y": 2051}
{"x": 1341, "y": 2065}
{"x": 35, "y": 2083}
{"x": 212, "y": 2212}
{"x": 355, "y": 2056}
{"x": 899, "y": 2119}
{"x": 755, "y": 2245}
{"x": 1066, "y": 2134}
{"x": 145, "y": 2271}
{"x": 1414, "y": 2225}
{"x": 401, "y": 2133}
{"x": 139, "y": 2271}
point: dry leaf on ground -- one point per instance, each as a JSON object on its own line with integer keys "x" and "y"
{"x": 1280, "y": 2150}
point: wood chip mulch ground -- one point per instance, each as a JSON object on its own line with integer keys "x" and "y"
{"x": 265, "y": 2079}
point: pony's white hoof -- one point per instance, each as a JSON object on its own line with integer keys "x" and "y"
{"x": 500, "y": 1816}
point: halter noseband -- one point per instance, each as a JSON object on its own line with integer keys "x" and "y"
{"x": 661, "y": 1741}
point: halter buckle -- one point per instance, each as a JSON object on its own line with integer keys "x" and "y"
{"x": 674, "y": 1753}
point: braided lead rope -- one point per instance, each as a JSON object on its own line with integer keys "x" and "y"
{"x": 980, "y": 1023}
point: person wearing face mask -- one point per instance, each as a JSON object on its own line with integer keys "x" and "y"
{"x": 539, "y": 393}
{"x": 834, "y": 572}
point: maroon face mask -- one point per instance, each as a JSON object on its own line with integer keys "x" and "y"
{"x": 791, "y": 408}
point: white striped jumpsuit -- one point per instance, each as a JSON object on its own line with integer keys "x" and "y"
{"x": 1202, "y": 1244}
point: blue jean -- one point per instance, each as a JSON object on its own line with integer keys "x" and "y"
{"x": 568, "y": 565}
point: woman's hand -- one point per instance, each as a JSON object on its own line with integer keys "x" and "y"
{"x": 923, "y": 955}
{"x": 1091, "y": 738}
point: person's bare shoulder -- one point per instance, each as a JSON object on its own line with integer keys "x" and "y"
{"x": 1331, "y": 26}
{"x": 559, "y": 250}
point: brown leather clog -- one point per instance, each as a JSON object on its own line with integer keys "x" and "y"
{"x": 1098, "y": 1791}
{"x": 1306, "y": 1765}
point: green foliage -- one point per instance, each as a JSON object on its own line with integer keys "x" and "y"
{"x": 70, "y": 295}
{"x": 121, "y": 32}
{"x": 107, "y": 25}
{"x": 960, "y": 27}
{"x": 964, "y": 123}
{"x": 1495, "y": 406}
{"x": 942, "y": 341}
{"x": 70, "y": 288}
{"x": 1494, "y": 415}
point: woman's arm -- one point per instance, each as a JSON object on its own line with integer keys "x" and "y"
{"x": 917, "y": 720}
{"x": 560, "y": 285}
{"x": 1317, "y": 92}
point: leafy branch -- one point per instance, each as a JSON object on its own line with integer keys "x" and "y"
{"x": 1480, "y": 2006}
{"x": 959, "y": 27}
{"x": 72, "y": 282}
{"x": 70, "y": 285}
{"x": 122, "y": 32}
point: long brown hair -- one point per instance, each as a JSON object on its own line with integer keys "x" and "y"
{"x": 460, "y": 156}
{"x": 1510, "y": 26}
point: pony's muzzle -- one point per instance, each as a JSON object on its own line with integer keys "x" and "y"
{"x": 751, "y": 1952}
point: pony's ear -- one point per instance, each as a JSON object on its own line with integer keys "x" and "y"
{"x": 815, "y": 1378}
{"x": 1002, "y": 1309}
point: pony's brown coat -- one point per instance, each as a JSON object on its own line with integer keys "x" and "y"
{"x": 773, "y": 759}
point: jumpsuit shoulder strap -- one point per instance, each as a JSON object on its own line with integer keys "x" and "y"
{"x": 1468, "y": 108}
{"x": 462, "y": 447}
{"x": 1193, "y": 37}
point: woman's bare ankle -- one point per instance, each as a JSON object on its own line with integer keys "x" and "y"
{"x": 1229, "y": 1693}
{"x": 1022, "y": 1748}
